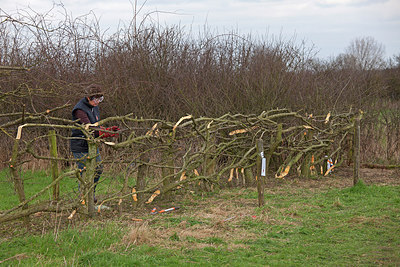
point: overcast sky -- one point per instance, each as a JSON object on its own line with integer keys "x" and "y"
{"x": 329, "y": 25}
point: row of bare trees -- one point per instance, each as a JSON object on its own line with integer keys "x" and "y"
{"x": 164, "y": 71}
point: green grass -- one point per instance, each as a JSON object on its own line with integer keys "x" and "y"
{"x": 33, "y": 183}
{"x": 337, "y": 227}
{"x": 36, "y": 181}
{"x": 178, "y": 220}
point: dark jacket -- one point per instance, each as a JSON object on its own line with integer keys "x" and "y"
{"x": 79, "y": 145}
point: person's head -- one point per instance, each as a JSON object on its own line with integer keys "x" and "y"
{"x": 94, "y": 94}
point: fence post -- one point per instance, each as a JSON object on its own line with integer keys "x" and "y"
{"x": 54, "y": 164}
{"x": 324, "y": 165}
{"x": 356, "y": 170}
{"x": 167, "y": 172}
{"x": 141, "y": 176}
{"x": 89, "y": 177}
{"x": 275, "y": 141}
{"x": 248, "y": 177}
{"x": 305, "y": 167}
{"x": 15, "y": 169}
{"x": 209, "y": 164}
{"x": 259, "y": 178}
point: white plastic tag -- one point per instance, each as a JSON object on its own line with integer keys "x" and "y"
{"x": 263, "y": 166}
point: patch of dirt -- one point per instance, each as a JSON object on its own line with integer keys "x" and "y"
{"x": 183, "y": 236}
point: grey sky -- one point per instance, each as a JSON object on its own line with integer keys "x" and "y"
{"x": 328, "y": 24}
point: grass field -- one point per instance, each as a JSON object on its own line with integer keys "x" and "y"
{"x": 298, "y": 226}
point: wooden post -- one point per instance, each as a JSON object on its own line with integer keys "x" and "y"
{"x": 324, "y": 165}
{"x": 259, "y": 178}
{"x": 274, "y": 145}
{"x": 54, "y": 164}
{"x": 141, "y": 178}
{"x": 350, "y": 152}
{"x": 305, "y": 167}
{"x": 18, "y": 182}
{"x": 209, "y": 167}
{"x": 248, "y": 177}
{"x": 89, "y": 177}
{"x": 209, "y": 164}
{"x": 168, "y": 159}
{"x": 356, "y": 170}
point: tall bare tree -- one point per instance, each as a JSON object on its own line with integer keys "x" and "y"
{"x": 365, "y": 53}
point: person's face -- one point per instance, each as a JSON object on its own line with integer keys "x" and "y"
{"x": 95, "y": 100}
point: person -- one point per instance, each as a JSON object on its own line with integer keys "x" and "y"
{"x": 84, "y": 112}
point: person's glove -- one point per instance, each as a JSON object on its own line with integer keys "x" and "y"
{"x": 108, "y": 134}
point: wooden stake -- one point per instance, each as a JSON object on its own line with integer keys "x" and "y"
{"x": 89, "y": 177}
{"x": 305, "y": 166}
{"x": 54, "y": 164}
{"x": 274, "y": 145}
{"x": 18, "y": 182}
{"x": 259, "y": 178}
{"x": 356, "y": 170}
{"x": 142, "y": 172}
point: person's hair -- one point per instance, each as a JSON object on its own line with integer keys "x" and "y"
{"x": 94, "y": 90}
